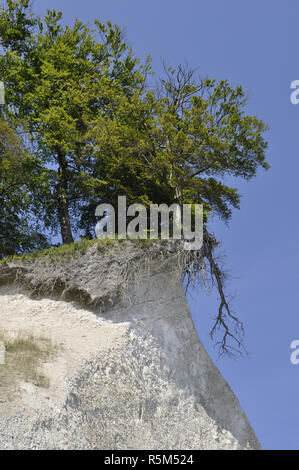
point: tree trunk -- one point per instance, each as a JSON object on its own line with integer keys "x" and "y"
{"x": 178, "y": 196}
{"x": 63, "y": 203}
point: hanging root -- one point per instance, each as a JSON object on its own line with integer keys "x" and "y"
{"x": 231, "y": 343}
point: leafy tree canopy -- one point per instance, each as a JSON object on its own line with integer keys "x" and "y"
{"x": 59, "y": 80}
{"x": 178, "y": 144}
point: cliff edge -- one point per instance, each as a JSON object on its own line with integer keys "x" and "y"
{"x": 121, "y": 365}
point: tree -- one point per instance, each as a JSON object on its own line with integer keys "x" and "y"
{"x": 203, "y": 135}
{"x": 182, "y": 141}
{"x": 177, "y": 145}
{"x": 19, "y": 180}
{"x": 58, "y": 79}
{"x": 118, "y": 148}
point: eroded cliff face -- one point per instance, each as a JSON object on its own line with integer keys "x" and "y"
{"x": 132, "y": 375}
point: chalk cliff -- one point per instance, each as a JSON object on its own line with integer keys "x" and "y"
{"x": 128, "y": 370}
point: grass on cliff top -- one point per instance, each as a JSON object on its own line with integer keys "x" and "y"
{"x": 72, "y": 250}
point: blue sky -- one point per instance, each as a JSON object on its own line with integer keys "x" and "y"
{"x": 254, "y": 44}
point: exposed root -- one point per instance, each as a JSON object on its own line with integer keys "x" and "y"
{"x": 226, "y": 322}
{"x": 101, "y": 279}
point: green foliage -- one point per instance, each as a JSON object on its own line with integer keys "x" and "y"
{"x": 19, "y": 178}
{"x": 75, "y": 250}
{"x": 94, "y": 130}
{"x": 55, "y": 253}
{"x": 180, "y": 143}
{"x": 59, "y": 81}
